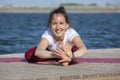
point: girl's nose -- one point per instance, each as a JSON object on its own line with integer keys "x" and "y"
{"x": 58, "y": 26}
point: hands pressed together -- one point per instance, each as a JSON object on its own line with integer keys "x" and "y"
{"x": 64, "y": 53}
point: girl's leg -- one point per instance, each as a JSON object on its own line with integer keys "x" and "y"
{"x": 74, "y": 48}
{"x": 30, "y": 56}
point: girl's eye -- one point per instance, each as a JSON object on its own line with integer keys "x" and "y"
{"x": 61, "y": 23}
{"x": 53, "y": 23}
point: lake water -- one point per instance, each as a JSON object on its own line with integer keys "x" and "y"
{"x": 21, "y": 31}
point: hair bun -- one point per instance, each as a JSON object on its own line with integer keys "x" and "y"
{"x": 61, "y": 8}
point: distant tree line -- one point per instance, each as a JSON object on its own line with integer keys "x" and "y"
{"x": 75, "y": 4}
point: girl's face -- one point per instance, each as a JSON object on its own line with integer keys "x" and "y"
{"x": 58, "y": 25}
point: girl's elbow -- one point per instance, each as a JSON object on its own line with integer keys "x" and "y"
{"x": 85, "y": 51}
{"x": 36, "y": 53}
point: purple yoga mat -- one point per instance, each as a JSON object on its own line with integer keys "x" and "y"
{"x": 12, "y": 60}
{"x": 79, "y": 60}
{"x": 98, "y": 60}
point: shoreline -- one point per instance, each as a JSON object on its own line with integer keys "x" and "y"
{"x": 72, "y": 9}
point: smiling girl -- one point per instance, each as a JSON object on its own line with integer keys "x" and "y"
{"x": 58, "y": 41}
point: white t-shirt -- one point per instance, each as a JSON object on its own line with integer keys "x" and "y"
{"x": 69, "y": 35}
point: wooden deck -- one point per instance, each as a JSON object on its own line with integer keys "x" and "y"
{"x": 53, "y": 71}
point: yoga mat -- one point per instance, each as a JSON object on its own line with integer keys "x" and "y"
{"x": 12, "y": 60}
{"x": 79, "y": 60}
{"x": 98, "y": 60}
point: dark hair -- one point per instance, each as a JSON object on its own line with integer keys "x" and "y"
{"x": 60, "y": 10}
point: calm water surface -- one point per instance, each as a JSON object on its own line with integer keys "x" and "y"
{"x": 19, "y": 32}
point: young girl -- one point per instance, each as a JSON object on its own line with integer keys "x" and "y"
{"x": 58, "y": 41}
